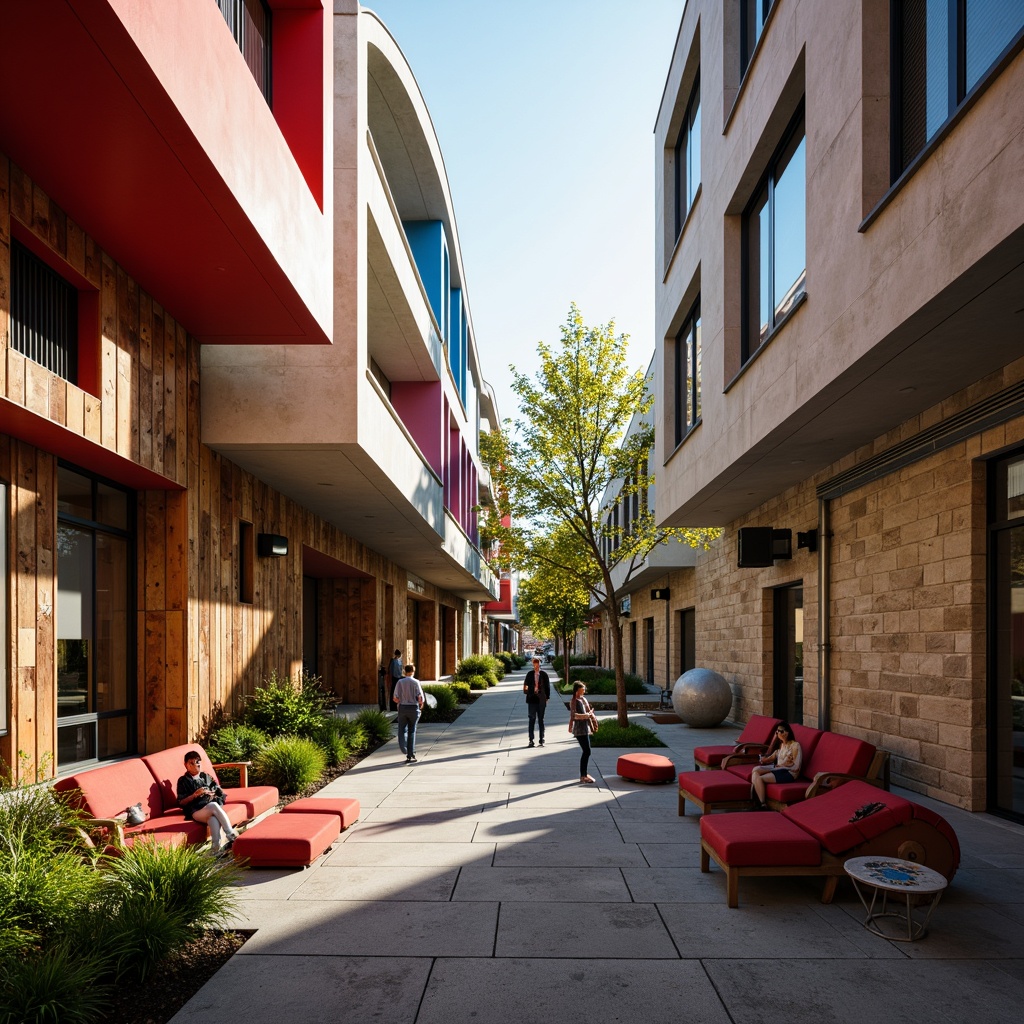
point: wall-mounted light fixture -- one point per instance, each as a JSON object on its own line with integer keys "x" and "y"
{"x": 271, "y": 545}
{"x": 660, "y": 594}
{"x": 807, "y": 540}
{"x": 759, "y": 547}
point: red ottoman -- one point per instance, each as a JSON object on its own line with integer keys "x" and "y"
{"x": 287, "y": 840}
{"x": 345, "y": 808}
{"x": 645, "y": 768}
{"x": 714, "y": 789}
{"x": 758, "y": 843}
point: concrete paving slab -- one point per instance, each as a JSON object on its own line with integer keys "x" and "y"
{"x": 779, "y": 931}
{"x": 272, "y": 989}
{"x": 372, "y": 882}
{"x": 587, "y": 992}
{"x": 673, "y": 885}
{"x": 389, "y": 929}
{"x": 676, "y": 855}
{"x": 852, "y": 992}
{"x": 671, "y": 831}
{"x": 491, "y": 832}
{"x": 271, "y": 883}
{"x": 401, "y": 798}
{"x": 538, "y": 884}
{"x": 415, "y": 832}
{"x": 966, "y": 932}
{"x": 632, "y": 931}
{"x": 438, "y": 855}
{"x": 518, "y": 812}
{"x": 591, "y": 854}
{"x": 987, "y": 885}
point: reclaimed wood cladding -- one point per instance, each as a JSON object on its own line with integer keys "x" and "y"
{"x": 199, "y": 648}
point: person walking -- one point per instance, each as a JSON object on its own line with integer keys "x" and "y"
{"x": 537, "y": 688}
{"x": 202, "y": 800}
{"x": 409, "y": 697}
{"x": 394, "y": 673}
{"x": 582, "y": 722}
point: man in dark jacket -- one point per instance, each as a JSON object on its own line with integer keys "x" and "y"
{"x": 537, "y": 688}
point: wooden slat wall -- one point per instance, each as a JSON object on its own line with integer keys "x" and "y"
{"x": 199, "y": 649}
{"x": 31, "y": 557}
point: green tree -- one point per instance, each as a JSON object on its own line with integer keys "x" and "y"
{"x": 554, "y": 600}
{"x": 553, "y": 466}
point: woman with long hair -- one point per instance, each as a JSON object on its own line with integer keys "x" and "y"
{"x": 781, "y": 765}
{"x": 582, "y": 721}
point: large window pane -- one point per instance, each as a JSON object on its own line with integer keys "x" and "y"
{"x": 991, "y": 27}
{"x": 74, "y": 620}
{"x": 112, "y": 617}
{"x": 693, "y": 154}
{"x": 790, "y": 231}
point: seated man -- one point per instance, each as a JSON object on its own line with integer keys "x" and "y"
{"x": 203, "y": 800}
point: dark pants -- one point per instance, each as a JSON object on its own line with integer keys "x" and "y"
{"x": 408, "y": 716}
{"x": 584, "y": 742}
{"x": 536, "y": 713}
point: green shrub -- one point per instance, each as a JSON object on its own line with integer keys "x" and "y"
{"x": 376, "y": 724}
{"x": 611, "y": 734}
{"x": 558, "y": 663}
{"x": 461, "y": 689}
{"x": 478, "y": 682}
{"x": 352, "y": 731}
{"x": 478, "y": 665}
{"x": 447, "y": 703}
{"x": 601, "y": 681}
{"x": 519, "y": 660}
{"x": 60, "y": 984}
{"x": 283, "y": 707}
{"x": 505, "y": 657}
{"x": 332, "y": 740}
{"x": 292, "y": 763}
{"x": 236, "y": 741}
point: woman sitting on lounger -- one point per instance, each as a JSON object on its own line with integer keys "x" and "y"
{"x": 782, "y": 764}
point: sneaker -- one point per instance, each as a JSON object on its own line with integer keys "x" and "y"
{"x": 542, "y": 743}
{"x": 530, "y": 744}
{"x": 226, "y": 848}
{"x": 409, "y": 759}
{"x": 412, "y": 759}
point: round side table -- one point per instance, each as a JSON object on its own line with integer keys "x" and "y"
{"x": 891, "y": 875}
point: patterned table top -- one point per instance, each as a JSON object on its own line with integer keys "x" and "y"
{"x": 894, "y": 874}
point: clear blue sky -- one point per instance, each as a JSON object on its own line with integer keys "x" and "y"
{"x": 545, "y": 115}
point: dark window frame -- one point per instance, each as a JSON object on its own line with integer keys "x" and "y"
{"x": 958, "y": 92}
{"x": 253, "y": 40}
{"x": 749, "y": 10}
{"x": 796, "y": 129}
{"x": 685, "y": 197}
{"x": 687, "y": 388}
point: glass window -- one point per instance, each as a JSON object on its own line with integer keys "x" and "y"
{"x": 943, "y": 50}
{"x": 249, "y": 22}
{"x": 688, "y": 373}
{"x": 687, "y": 161}
{"x": 753, "y": 15}
{"x": 3, "y": 607}
{"x": 775, "y": 249}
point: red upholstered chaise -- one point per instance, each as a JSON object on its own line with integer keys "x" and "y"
{"x": 754, "y": 739}
{"x": 829, "y": 758}
{"x": 816, "y": 837}
{"x": 106, "y": 792}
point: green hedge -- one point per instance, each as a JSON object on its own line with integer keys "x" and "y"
{"x": 611, "y": 734}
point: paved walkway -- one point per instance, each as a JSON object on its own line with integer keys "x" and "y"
{"x": 484, "y": 884}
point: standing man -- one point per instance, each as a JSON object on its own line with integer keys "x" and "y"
{"x": 408, "y": 696}
{"x": 537, "y": 688}
{"x": 394, "y": 673}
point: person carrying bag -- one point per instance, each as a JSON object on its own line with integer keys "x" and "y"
{"x": 582, "y": 722}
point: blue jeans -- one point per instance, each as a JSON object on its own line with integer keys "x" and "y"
{"x": 408, "y": 716}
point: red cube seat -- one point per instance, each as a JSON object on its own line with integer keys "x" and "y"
{"x": 713, "y": 789}
{"x": 643, "y": 767}
{"x": 346, "y": 808}
{"x": 287, "y": 840}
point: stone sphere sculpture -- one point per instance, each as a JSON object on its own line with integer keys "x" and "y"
{"x": 701, "y": 698}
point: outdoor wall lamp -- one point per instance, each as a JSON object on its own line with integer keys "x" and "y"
{"x": 807, "y": 540}
{"x": 660, "y": 594}
{"x": 271, "y": 545}
{"x": 759, "y": 547}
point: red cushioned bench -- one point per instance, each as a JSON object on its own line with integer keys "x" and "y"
{"x": 105, "y": 793}
{"x": 645, "y": 767}
{"x": 816, "y": 837}
{"x": 829, "y": 759}
{"x": 287, "y": 840}
{"x": 754, "y": 739}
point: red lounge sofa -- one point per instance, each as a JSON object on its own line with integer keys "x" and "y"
{"x": 754, "y": 739}
{"x": 816, "y": 837}
{"x": 829, "y": 758}
{"x": 106, "y": 792}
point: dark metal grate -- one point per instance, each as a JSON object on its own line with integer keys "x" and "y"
{"x": 249, "y": 22}
{"x": 44, "y": 314}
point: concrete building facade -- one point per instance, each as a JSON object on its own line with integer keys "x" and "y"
{"x": 840, "y": 371}
{"x": 240, "y": 394}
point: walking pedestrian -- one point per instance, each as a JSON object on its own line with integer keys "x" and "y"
{"x": 394, "y": 673}
{"x": 537, "y": 688}
{"x": 582, "y": 722}
{"x": 409, "y": 697}
{"x": 202, "y": 800}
